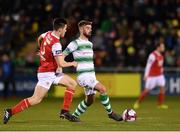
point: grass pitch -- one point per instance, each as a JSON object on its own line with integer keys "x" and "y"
{"x": 45, "y": 116}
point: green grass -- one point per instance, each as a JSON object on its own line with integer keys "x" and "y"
{"x": 45, "y": 116}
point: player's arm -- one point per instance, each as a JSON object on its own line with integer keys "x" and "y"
{"x": 59, "y": 57}
{"x": 150, "y": 61}
{"x": 72, "y": 46}
{"x": 39, "y": 40}
{"x": 62, "y": 63}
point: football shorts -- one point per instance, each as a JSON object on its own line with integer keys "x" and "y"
{"x": 46, "y": 79}
{"x": 88, "y": 81}
{"x": 153, "y": 82}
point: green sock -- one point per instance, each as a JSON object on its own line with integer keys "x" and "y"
{"x": 82, "y": 107}
{"x": 105, "y": 101}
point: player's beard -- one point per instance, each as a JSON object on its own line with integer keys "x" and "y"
{"x": 62, "y": 35}
{"x": 162, "y": 52}
{"x": 87, "y": 35}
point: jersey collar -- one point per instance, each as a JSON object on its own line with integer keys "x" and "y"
{"x": 54, "y": 35}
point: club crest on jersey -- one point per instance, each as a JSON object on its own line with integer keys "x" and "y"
{"x": 58, "y": 51}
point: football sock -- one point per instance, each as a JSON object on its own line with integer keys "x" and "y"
{"x": 24, "y": 104}
{"x": 105, "y": 101}
{"x": 82, "y": 107}
{"x": 161, "y": 97}
{"x": 68, "y": 96}
{"x": 141, "y": 98}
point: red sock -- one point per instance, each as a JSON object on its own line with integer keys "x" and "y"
{"x": 161, "y": 97}
{"x": 143, "y": 94}
{"x": 68, "y": 96}
{"x": 24, "y": 104}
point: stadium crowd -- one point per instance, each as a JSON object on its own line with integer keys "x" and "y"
{"x": 124, "y": 31}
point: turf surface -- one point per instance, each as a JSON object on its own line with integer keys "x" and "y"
{"x": 45, "y": 116}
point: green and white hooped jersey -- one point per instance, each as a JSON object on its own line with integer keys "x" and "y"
{"x": 82, "y": 51}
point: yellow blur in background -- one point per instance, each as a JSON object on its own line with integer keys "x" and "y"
{"x": 117, "y": 84}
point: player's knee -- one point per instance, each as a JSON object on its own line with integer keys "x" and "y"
{"x": 72, "y": 84}
{"x": 90, "y": 100}
{"x": 35, "y": 100}
{"x": 102, "y": 90}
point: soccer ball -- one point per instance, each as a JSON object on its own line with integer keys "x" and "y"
{"x": 129, "y": 115}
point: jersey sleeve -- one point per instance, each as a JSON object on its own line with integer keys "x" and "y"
{"x": 150, "y": 61}
{"x": 70, "y": 48}
{"x": 43, "y": 35}
{"x": 57, "y": 49}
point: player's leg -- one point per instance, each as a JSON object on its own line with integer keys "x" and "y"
{"x": 161, "y": 98}
{"x": 106, "y": 103}
{"x": 88, "y": 81}
{"x": 161, "y": 95}
{"x": 37, "y": 97}
{"x": 149, "y": 85}
{"x": 104, "y": 97}
{"x": 44, "y": 82}
{"x": 84, "y": 104}
{"x": 70, "y": 83}
{"x": 141, "y": 98}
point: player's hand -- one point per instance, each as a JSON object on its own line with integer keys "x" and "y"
{"x": 59, "y": 70}
{"x": 74, "y": 64}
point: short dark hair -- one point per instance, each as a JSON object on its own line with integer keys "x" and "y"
{"x": 84, "y": 23}
{"x": 158, "y": 44}
{"x": 59, "y": 23}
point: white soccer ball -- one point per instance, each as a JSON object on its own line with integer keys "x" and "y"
{"x": 129, "y": 115}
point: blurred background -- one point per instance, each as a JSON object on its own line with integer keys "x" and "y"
{"x": 124, "y": 33}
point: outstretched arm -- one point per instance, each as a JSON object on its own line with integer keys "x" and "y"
{"x": 70, "y": 48}
{"x": 59, "y": 57}
{"x": 150, "y": 61}
{"x": 62, "y": 63}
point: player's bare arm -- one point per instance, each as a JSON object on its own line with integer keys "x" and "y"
{"x": 39, "y": 40}
{"x": 150, "y": 61}
{"x": 62, "y": 63}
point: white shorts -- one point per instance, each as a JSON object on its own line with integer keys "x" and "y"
{"x": 46, "y": 79}
{"x": 88, "y": 81}
{"x": 153, "y": 82}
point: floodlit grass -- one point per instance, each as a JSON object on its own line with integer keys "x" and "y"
{"x": 45, "y": 116}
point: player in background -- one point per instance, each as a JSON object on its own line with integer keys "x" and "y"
{"x": 82, "y": 50}
{"x": 49, "y": 72}
{"x": 154, "y": 76}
